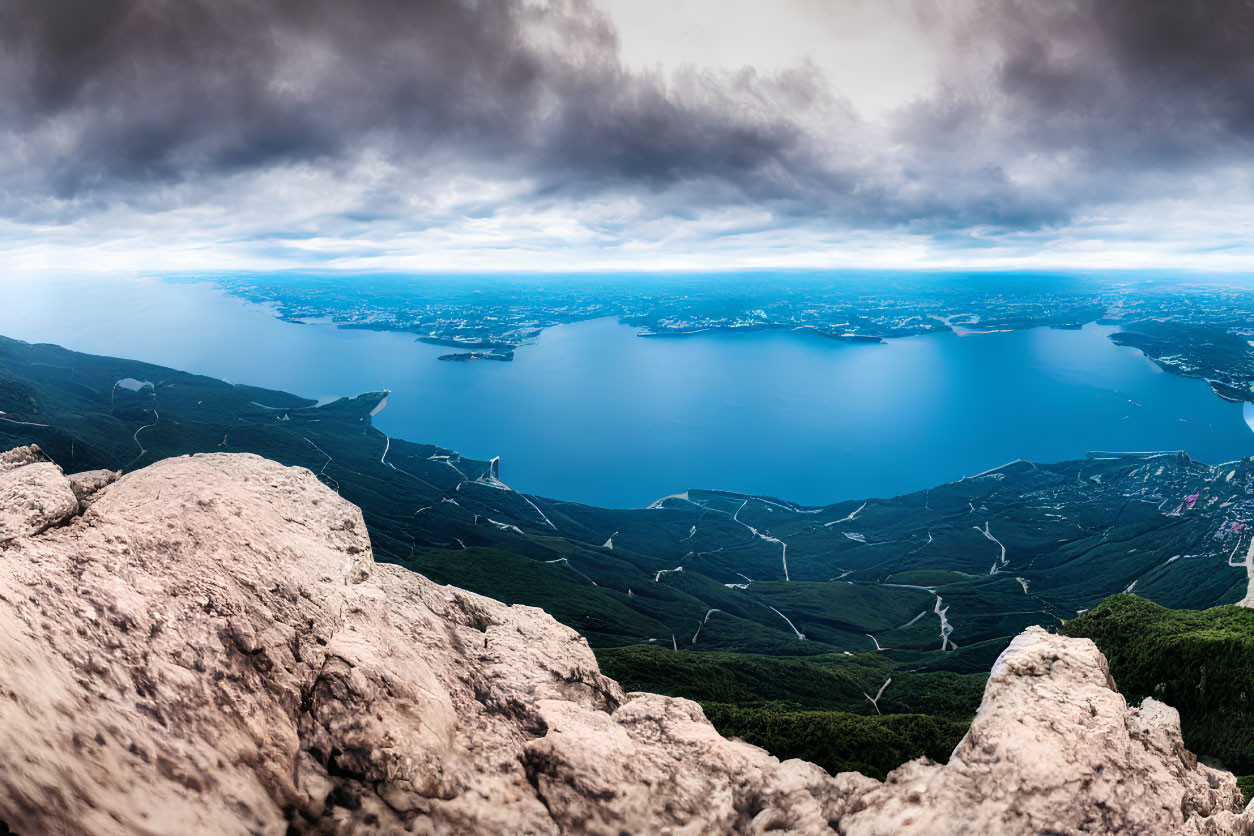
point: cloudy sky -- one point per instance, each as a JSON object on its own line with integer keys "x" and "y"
{"x": 577, "y": 135}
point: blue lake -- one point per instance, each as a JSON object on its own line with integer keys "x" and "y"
{"x": 593, "y": 413}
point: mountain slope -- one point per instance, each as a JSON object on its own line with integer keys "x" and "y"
{"x": 1022, "y": 544}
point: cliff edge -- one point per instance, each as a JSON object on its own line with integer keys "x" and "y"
{"x": 207, "y": 646}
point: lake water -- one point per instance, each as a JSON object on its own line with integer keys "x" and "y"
{"x": 596, "y": 414}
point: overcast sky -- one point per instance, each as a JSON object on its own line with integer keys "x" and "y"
{"x": 148, "y": 135}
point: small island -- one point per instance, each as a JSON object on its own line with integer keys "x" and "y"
{"x": 500, "y": 354}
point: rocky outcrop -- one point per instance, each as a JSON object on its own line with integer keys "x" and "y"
{"x": 206, "y": 645}
{"x": 34, "y": 495}
{"x": 85, "y": 485}
{"x": 1054, "y": 748}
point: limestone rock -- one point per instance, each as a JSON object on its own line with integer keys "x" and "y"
{"x": 20, "y": 457}
{"x": 86, "y": 484}
{"x": 208, "y": 647}
{"x": 33, "y": 494}
{"x": 1055, "y": 748}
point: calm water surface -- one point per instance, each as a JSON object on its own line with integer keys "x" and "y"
{"x": 596, "y": 414}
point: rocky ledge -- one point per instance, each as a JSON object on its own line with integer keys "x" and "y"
{"x": 206, "y": 646}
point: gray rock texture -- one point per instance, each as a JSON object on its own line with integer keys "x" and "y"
{"x": 206, "y": 646}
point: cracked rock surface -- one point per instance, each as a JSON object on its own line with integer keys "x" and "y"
{"x": 206, "y": 646}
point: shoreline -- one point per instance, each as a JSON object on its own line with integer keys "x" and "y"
{"x": 963, "y": 329}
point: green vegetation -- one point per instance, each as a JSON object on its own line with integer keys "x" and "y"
{"x": 1246, "y": 783}
{"x": 816, "y": 708}
{"x": 1199, "y": 662}
{"x": 840, "y": 742}
{"x": 927, "y": 577}
{"x": 564, "y": 592}
{"x": 831, "y": 682}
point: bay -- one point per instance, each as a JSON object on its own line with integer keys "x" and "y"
{"x": 593, "y": 413}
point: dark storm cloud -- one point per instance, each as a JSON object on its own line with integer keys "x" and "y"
{"x": 1043, "y": 108}
{"x": 113, "y": 92}
{"x": 1167, "y": 79}
{"x": 1117, "y": 99}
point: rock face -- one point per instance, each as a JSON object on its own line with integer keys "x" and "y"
{"x": 1054, "y": 748}
{"x": 206, "y": 646}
